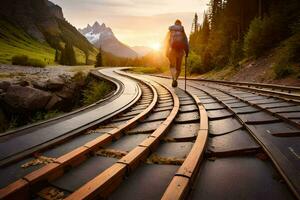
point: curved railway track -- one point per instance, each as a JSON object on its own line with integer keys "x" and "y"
{"x": 288, "y": 92}
{"x": 44, "y": 134}
{"x": 277, "y": 133}
{"x": 271, "y": 121}
{"x": 216, "y": 141}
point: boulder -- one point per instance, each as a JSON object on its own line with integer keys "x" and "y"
{"x": 67, "y": 92}
{"x": 4, "y": 85}
{"x": 54, "y": 102}
{"x": 55, "y": 84}
{"x": 42, "y": 85}
{"x": 26, "y": 98}
{"x": 23, "y": 82}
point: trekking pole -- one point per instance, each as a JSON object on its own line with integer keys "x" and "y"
{"x": 185, "y": 73}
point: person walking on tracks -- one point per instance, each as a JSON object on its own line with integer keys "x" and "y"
{"x": 176, "y": 45}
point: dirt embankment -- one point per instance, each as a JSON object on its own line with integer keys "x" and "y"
{"x": 257, "y": 71}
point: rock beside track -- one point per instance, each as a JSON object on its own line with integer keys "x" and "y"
{"x": 26, "y": 92}
{"x": 27, "y": 98}
{"x": 32, "y": 89}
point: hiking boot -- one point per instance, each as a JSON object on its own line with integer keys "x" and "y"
{"x": 174, "y": 83}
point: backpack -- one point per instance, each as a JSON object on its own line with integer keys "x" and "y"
{"x": 177, "y": 38}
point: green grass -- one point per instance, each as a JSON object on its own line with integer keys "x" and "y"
{"x": 149, "y": 70}
{"x": 95, "y": 91}
{"x": 157, "y": 70}
{"x": 25, "y": 61}
{"x": 45, "y": 115}
{"x": 81, "y": 68}
{"x": 80, "y": 56}
{"x": 287, "y": 57}
{"x": 14, "y": 41}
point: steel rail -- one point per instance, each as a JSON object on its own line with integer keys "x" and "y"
{"x": 22, "y": 188}
{"x": 72, "y": 132}
{"x": 259, "y": 87}
{"x": 185, "y": 176}
{"x": 279, "y": 163}
{"x": 107, "y": 181}
{"x": 119, "y": 88}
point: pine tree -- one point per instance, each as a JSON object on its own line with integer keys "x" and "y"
{"x": 205, "y": 29}
{"x": 86, "y": 53}
{"x": 62, "y": 59}
{"x": 225, "y": 31}
{"x": 71, "y": 60}
{"x": 195, "y": 24}
{"x": 99, "y": 59}
{"x": 56, "y": 56}
{"x": 68, "y": 55}
{"x": 216, "y": 7}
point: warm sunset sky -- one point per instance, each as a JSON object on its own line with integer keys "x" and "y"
{"x": 134, "y": 22}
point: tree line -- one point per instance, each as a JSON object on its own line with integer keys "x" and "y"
{"x": 234, "y": 30}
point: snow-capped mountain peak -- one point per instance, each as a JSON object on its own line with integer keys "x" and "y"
{"x": 95, "y": 32}
{"x": 93, "y": 38}
{"x": 101, "y": 35}
{"x": 97, "y": 28}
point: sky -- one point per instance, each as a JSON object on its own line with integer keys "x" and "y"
{"x": 134, "y": 22}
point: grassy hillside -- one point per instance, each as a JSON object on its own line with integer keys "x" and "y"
{"x": 80, "y": 56}
{"x": 80, "y": 43}
{"x": 14, "y": 41}
{"x": 37, "y": 29}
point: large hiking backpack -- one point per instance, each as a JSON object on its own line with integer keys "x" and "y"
{"x": 177, "y": 37}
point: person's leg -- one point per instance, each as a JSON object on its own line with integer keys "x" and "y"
{"x": 173, "y": 72}
{"x": 172, "y": 60}
{"x": 179, "y": 63}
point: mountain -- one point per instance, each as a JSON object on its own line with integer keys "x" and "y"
{"x": 36, "y": 28}
{"x": 141, "y": 50}
{"x": 100, "y": 35}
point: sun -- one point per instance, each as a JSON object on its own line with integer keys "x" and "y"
{"x": 156, "y": 46}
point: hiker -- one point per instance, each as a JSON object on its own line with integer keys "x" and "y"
{"x": 176, "y": 45}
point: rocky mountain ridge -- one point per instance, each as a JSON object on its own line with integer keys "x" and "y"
{"x": 44, "y": 21}
{"x": 101, "y": 35}
{"x": 33, "y": 16}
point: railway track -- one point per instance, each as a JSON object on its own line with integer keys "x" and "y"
{"x": 272, "y": 124}
{"x": 213, "y": 142}
{"x": 288, "y": 92}
{"x": 44, "y": 134}
{"x": 282, "y": 91}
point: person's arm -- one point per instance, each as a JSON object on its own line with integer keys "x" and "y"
{"x": 167, "y": 44}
